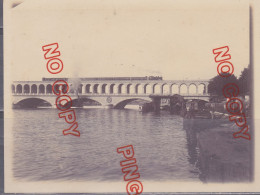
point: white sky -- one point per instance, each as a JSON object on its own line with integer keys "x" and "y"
{"x": 173, "y": 39}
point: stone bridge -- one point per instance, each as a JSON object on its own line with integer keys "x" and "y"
{"x": 113, "y": 91}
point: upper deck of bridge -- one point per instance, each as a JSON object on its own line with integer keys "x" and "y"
{"x": 114, "y": 80}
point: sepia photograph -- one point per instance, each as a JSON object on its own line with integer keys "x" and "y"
{"x": 128, "y": 96}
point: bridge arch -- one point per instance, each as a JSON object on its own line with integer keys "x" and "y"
{"x": 56, "y": 88}
{"x": 166, "y": 89}
{"x": 32, "y": 103}
{"x": 148, "y": 89}
{"x": 183, "y": 89}
{"x": 175, "y": 88}
{"x": 193, "y": 88}
{"x": 104, "y": 89}
{"x": 26, "y": 88}
{"x": 123, "y": 103}
{"x": 201, "y": 88}
{"x": 34, "y": 89}
{"x": 128, "y": 88}
{"x": 120, "y": 89}
{"x": 49, "y": 89}
{"x": 156, "y": 88}
{"x": 19, "y": 88}
{"x": 138, "y": 88}
{"x": 95, "y": 88}
{"x": 87, "y": 88}
{"x": 112, "y": 88}
{"x": 85, "y": 101}
{"x": 41, "y": 89}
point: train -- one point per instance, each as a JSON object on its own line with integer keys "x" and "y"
{"x": 108, "y": 78}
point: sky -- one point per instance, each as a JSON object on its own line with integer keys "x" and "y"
{"x": 173, "y": 39}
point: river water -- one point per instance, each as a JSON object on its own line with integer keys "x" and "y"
{"x": 42, "y": 152}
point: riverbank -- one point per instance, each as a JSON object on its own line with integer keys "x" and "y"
{"x": 221, "y": 157}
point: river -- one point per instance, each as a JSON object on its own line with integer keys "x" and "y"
{"x": 42, "y": 152}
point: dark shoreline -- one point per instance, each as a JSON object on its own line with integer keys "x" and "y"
{"x": 219, "y": 156}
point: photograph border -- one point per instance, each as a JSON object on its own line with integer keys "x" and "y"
{"x": 252, "y": 96}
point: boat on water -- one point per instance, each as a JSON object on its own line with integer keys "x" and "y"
{"x": 146, "y": 107}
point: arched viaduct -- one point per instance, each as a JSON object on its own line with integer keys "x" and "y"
{"x": 115, "y": 91}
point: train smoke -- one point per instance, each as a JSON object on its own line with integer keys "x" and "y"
{"x": 75, "y": 84}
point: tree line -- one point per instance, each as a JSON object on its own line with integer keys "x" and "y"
{"x": 244, "y": 82}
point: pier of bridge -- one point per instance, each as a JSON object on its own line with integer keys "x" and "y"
{"x": 113, "y": 91}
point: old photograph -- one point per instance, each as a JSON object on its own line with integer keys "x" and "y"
{"x": 127, "y": 96}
